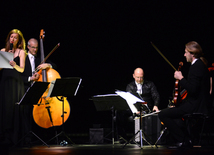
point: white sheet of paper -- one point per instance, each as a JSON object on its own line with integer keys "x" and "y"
{"x": 106, "y": 95}
{"x": 130, "y": 99}
{"x": 5, "y": 58}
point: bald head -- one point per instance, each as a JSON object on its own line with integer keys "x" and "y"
{"x": 32, "y": 40}
{"x": 138, "y": 75}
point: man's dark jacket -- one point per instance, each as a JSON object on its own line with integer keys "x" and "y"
{"x": 149, "y": 92}
{"x": 197, "y": 86}
{"x": 28, "y": 71}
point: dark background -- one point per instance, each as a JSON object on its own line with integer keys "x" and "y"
{"x": 104, "y": 41}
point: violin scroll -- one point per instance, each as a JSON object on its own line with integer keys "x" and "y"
{"x": 180, "y": 65}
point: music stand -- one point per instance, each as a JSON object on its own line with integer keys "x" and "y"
{"x": 141, "y": 107}
{"x": 110, "y": 102}
{"x": 64, "y": 87}
{"x": 31, "y": 97}
{"x": 135, "y": 104}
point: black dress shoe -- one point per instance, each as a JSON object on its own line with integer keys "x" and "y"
{"x": 175, "y": 146}
{"x": 187, "y": 144}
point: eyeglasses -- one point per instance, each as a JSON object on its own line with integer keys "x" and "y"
{"x": 33, "y": 47}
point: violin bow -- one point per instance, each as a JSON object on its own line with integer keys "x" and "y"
{"x": 36, "y": 70}
{"x": 163, "y": 56}
{"x": 50, "y": 53}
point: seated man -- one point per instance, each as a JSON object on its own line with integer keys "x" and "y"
{"x": 198, "y": 86}
{"x": 144, "y": 90}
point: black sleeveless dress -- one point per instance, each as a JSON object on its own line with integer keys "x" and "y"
{"x": 11, "y": 91}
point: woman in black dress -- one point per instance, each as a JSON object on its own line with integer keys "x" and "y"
{"x": 12, "y": 88}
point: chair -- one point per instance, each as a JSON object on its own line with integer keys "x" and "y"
{"x": 195, "y": 124}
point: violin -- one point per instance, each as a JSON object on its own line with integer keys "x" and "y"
{"x": 177, "y": 95}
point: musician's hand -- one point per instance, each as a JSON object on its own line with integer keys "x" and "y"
{"x": 155, "y": 108}
{"x": 171, "y": 106}
{"x": 12, "y": 63}
{"x": 35, "y": 77}
{"x": 44, "y": 66}
{"x": 178, "y": 75}
{"x": 138, "y": 112}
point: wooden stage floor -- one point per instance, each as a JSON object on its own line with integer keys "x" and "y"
{"x": 104, "y": 149}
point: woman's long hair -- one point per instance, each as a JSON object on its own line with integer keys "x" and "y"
{"x": 21, "y": 41}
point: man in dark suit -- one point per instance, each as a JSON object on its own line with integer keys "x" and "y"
{"x": 32, "y": 62}
{"x": 197, "y": 86}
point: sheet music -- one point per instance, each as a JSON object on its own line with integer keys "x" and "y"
{"x": 5, "y": 58}
{"x": 130, "y": 99}
{"x": 105, "y": 95}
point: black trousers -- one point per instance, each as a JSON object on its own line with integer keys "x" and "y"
{"x": 123, "y": 123}
{"x": 172, "y": 119}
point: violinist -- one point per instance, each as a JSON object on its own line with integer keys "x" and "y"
{"x": 12, "y": 89}
{"x": 197, "y": 85}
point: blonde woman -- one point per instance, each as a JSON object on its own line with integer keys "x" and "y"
{"x": 12, "y": 88}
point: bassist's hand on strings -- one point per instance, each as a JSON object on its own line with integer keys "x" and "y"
{"x": 44, "y": 66}
{"x": 178, "y": 75}
{"x": 35, "y": 77}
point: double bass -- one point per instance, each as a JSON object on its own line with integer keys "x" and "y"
{"x": 48, "y": 112}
